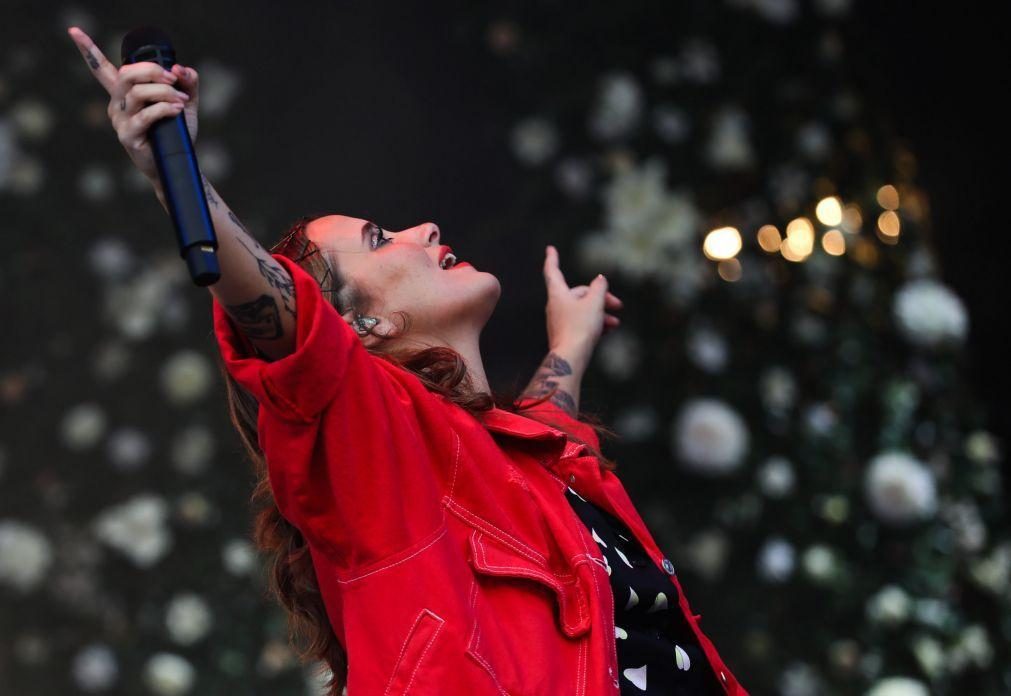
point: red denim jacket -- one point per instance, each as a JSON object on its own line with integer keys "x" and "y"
{"x": 449, "y": 559}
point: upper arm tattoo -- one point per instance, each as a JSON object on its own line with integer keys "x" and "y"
{"x": 542, "y": 383}
{"x": 259, "y": 318}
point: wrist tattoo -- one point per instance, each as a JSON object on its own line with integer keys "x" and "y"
{"x": 542, "y": 383}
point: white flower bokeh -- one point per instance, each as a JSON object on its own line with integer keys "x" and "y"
{"x": 188, "y": 618}
{"x": 26, "y": 555}
{"x": 889, "y": 606}
{"x": 136, "y": 528}
{"x": 898, "y": 686}
{"x": 709, "y": 437}
{"x": 776, "y": 560}
{"x": 534, "y": 141}
{"x": 899, "y": 489}
{"x": 83, "y": 426}
{"x": 650, "y": 232}
{"x": 168, "y": 674}
{"x": 186, "y": 377}
{"x": 618, "y": 108}
{"x": 929, "y": 314}
{"x": 95, "y": 668}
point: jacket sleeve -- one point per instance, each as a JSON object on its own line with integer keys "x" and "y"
{"x": 549, "y": 412}
{"x": 353, "y": 443}
{"x": 298, "y": 386}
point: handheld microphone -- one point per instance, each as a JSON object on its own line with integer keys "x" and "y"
{"x": 177, "y": 165}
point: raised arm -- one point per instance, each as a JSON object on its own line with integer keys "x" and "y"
{"x": 576, "y": 319}
{"x": 255, "y": 290}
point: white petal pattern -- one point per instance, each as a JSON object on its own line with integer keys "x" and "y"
{"x": 681, "y": 658}
{"x": 636, "y": 675}
{"x": 659, "y": 604}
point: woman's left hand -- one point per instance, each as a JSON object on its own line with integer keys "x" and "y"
{"x": 577, "y": 317}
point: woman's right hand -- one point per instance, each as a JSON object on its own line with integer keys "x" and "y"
{"x": 139, "y": 95}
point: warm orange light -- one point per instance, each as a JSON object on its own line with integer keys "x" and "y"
{"x": 829, "y": 211}
{"x": 791, "y": 254}
{"x": 722, "y": 243}
{"x": 769, "y": 238}
{"x": 834, "y": 243}
{"x": 852, "y": 219}
{"x": 888, "y": 223}
{"x": 888, "y": 197}
{"x": 729, "y": 270}
{"x": 800, "y": 236}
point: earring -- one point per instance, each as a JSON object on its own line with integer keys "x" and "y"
{"x": 364, "y": 325}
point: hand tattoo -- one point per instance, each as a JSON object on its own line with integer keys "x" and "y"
{"x": 553, "y": 365}
{"x": 122, "y": 104}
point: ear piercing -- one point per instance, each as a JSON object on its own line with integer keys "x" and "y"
{"x": 364, "y": 325}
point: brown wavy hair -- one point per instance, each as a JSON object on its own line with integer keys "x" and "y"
{"x": 291, "y": 576}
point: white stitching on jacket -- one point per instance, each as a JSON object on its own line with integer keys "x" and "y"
{"x": 395, "y": 563}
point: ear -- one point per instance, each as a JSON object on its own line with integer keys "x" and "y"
{"x": 381, "y": 327}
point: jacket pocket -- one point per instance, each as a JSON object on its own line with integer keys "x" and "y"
{"x": 419, "y": 640}
{"x": 488, "y": 556}
{"x": 530, "y": 622}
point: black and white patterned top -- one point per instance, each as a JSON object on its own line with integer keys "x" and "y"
{"x": 657, "y": 650}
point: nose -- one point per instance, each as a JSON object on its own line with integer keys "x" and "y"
{"x": 427, "y": 234}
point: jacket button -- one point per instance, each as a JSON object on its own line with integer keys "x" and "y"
{"x": 572, "y": 478}
{"x": 668, "y": 566}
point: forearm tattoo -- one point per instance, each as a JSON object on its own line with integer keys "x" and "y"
{"x": 209, "y": 192}
{"x": 542, "y": 383}
{"x": 261, "y": 318}
{"x": 238, "y": 223}
{"x": 277, "y": 277}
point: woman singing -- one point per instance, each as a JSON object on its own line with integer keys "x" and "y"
{"x": 426, "y": 537}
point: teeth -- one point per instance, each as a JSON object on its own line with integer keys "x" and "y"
{"x": 448, "y": 260}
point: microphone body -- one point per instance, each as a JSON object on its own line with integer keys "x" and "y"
{"x": 177, "y": 166}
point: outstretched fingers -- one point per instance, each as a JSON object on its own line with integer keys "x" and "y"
{"x": 553, "y": 277}
{"x": 104, "y": 71}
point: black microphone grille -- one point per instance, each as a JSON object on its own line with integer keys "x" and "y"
{"x": 158, "y": 44}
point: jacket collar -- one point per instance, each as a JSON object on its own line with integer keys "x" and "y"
{"x": 502, "y": 421}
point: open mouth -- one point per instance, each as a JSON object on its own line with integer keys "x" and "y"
{"x": 448, "y": 261}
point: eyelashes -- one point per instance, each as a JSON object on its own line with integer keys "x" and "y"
{"x": 381, "y": 240}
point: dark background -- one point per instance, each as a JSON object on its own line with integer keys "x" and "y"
{"x": 940, "y": 74}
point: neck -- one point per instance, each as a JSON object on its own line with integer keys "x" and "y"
{"x": 468, "y": 346}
